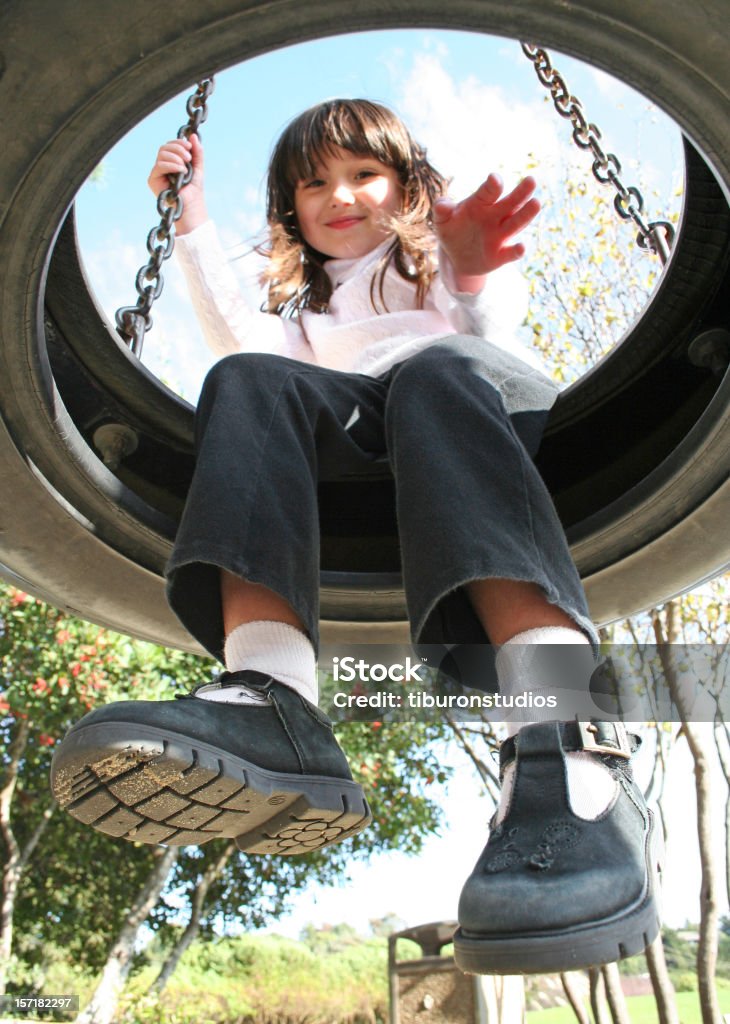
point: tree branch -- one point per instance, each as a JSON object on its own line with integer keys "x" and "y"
{"x": 200, "y": 893}
{"x": 709, "y": 916}
{"x": 664, "y": 996}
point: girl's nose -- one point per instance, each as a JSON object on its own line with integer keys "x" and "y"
{"x": 343, "y": 194}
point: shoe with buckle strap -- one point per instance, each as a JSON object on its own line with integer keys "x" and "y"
{"x": 185, "y": 771}
{"x": 553, "y": 891}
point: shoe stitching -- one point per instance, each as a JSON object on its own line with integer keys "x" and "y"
{"x": 557, "y": 837}
{"x": 503, "y": 860}
{"x": 320, "y": 721}
{"x": 292, "y": 739}
{"x": 627, "y": 786}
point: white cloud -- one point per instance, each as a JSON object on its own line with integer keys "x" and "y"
{"x": 470, "y": 128}
{"x": 612, "y": 88}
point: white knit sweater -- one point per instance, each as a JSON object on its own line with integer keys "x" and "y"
{"x": 351, "y": 336}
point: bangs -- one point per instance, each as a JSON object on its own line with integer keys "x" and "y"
{"x": 358, "y": 126}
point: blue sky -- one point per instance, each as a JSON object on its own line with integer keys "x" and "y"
{"x": 475, "y": 102}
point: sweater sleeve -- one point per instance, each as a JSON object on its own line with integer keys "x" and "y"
{"x": 495, "y": 313}
{"x": 228, "y": 322}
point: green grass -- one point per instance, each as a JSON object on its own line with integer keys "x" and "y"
{"x": 642, "y": 1010}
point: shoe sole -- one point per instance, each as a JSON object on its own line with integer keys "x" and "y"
{"x": 158, "y": 787}
{"x": 577, "y": 948}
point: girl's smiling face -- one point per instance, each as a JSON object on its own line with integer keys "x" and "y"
{"x": 343, "y": 212}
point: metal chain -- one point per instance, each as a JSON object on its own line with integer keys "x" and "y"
{"x": 134, "y": 321}
{"x": 658, "y": 235}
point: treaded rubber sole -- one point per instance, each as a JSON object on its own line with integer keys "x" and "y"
{"x": 575, "y": 948}
{"x": 148, "y": 786}
{"x": 568, "y": 951}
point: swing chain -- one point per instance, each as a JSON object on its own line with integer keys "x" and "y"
{"x": 134, "y": 321}
{"x": 657, "y": 236}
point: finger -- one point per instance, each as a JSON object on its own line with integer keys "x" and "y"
{"x": 196, "y": 149}
{"x": 167, "y": 167}
{"x": 520, "y": 218}
{"x": 442, "y": 210}
{"x": 180, "y": 146}
{"x": 510, "y": 253}
{"x": 172, "y": 156}
{"x": 519, "y": 195}
{"x": 490, "y": 190}
{"x": 175, "y": 159}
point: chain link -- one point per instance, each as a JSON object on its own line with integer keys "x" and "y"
{"x": 656, "y": 236}
{"x": 134, "y": 321}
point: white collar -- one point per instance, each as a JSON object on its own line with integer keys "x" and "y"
{"x": 341, "y": 270}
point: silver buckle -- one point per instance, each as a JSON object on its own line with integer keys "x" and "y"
{"x": 588, "y": 733}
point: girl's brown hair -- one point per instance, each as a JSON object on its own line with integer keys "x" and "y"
{"x": 295, "y": 273}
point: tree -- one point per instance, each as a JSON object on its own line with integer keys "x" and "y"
{"x": 587, "y": 279}
{"x": 102, "y": 1006}
{"x": 382, "y": 927}
{"x": 197, "y": 906}
{"x": 667, "y": 626}
{"x": 54, "y": 669}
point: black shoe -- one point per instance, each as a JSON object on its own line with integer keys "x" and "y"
{"x": 183, "y": 772}
{"x": 552, "y": 891}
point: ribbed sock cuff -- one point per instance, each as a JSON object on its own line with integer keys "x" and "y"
{"x": 278, "y": 650}
{"x": 536, "y": 661}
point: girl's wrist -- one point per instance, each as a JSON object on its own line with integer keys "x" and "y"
{"x": 457, "y": 281}
{"x": 471, "y": 284}
{"x": 190, "y": 220}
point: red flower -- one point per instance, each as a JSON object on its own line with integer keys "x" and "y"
{"x": 18, "y": 598}
{"x": 376, "y": 725}
{"x": 4, "y": 706}
{"x": 40, "y": 685}
{"x": 46, "y": 741}
{"x": 63, "y": 636}
{"x": 75, "y": 669}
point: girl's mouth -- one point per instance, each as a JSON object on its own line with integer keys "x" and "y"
{"x": 344, "y": 222}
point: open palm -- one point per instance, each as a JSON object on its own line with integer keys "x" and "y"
{"x": 476, "y": 232}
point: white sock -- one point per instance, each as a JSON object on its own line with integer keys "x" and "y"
{"x": 274, "y": 648}
{"x": 521, "y": 668}
{"x": 526, "y": 665}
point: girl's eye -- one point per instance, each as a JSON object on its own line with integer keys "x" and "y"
{"x": 314, "y": 183}
{"x": 365, "y": 174}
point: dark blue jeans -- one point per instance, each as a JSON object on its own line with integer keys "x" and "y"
{"x": 456, "y": 424}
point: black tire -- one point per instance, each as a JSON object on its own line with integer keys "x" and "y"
{"x": 637, "y": 453}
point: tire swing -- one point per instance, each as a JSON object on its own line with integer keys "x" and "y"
{"x": 636, "y": 454}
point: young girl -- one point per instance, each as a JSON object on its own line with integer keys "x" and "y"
{"x": 387, "y": 346}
